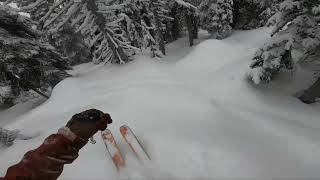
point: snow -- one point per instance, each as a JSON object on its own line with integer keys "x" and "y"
{"x": 14, "y": 5}
{"x": 186, "y": 4}
{"x": 195, "y": 113}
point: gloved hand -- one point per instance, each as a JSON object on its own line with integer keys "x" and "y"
{"x": 87, "y": 123}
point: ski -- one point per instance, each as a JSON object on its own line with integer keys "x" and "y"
{"x": 134, "y": 143}
{"x": 113, "y": 149}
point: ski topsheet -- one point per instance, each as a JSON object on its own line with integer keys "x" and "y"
{"x": 134, "y": 143}
{"x": 113, "y": 149}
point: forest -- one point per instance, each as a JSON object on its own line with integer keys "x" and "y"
{"x": 37, "y": 47}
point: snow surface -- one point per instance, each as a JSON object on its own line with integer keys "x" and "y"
{"x": 195, "y": 113}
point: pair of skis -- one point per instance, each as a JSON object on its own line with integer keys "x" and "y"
{"x": 131, "y": 140}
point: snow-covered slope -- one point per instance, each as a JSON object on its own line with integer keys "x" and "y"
{"x": 198, "y": 117}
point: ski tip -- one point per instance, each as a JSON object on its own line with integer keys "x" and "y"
{"x": 124, "y": 126}
{"x": 124, "y": 129}
{"x": 107, "y": 131}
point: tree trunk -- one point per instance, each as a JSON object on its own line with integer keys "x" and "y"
{"x": 310, "y": 95}
{"x": 189, "y": 18}
{"x": 158, "y": 29}
{"x": 195, "y": 24}
{"x": 175, "y": 29}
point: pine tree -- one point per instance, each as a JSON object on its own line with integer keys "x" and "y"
{"x": 25, "y": 62}
{"x": 66, "y": 41}
{"x": 267, "y": 9}
{"x": 35, "y": 8}
{"x": 252, "y": 14}
{"x": 190, "y": 14}
{"x": 246, "y": 14}
{"x": 296, "y": 29}
{"x": 98, "y": 24}
{"x": 130, "y": 11}
{"x": 216, "y": 17}
{"x": 138, "y": 23}
{"x": 195, "y": 3}
{"x": 175, "y": 28}
{"x": 159, "y": 12}
{"x": 71, "y": 45}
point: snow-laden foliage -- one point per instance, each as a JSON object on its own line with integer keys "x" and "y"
{"x": 71, "y": 45}
{"x": 96, "y": 21}
{"x": 7, "y": 137}
{"x": 176, "y": 29}
{"x": 35, "y": 8}
{"x": 113, "y": 29}
{"x": 216, "y": 17}
{"x": 153, "y": 23}
{"x": 66, "y": 41}
{"x": 25, "y": 63}
{"x": 296, "y": 37}
{"x": 185, "y": 4}
{"x": 185, "y": 18}
{"x": 140, "y": 24}
{"x": 251, "y": 14}
{"x": 159, "y": 15}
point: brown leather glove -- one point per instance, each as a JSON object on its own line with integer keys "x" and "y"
{"x": 87, "y": 123}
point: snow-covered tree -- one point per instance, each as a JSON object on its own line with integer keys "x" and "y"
{"x": 246, "y": 13}
{"x": 295, "y": 38}
{"x": 137, "y": 23}
{"x": 189, "y": 14}
{"x": 267, "y": 9}
{"x": 251, "y": 14}
{"x": 216, "y": 16}
{"x": 71, "y": 45}
{"x": 66, "y": 41}
{"x": 195, "y": 3}
{"x": 25, "y": 62}
{"x": 95, "y": 19}
{"x": 8, "y": 137}
{"x": 130, "y": 12}
{"x": 145, "y": 23}
{"x": 176, "y": 28}
{"x": 159, "y": 14}
{"x": 35, "y": 8}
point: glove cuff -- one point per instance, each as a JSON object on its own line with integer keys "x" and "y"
{"x": 67, "y": 133}
{"x": 76, "y": 140}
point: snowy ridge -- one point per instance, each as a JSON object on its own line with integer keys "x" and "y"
{"x": 198, "y": 117}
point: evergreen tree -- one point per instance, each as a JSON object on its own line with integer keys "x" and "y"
{"x": 35, "y": 8}
{"x": 176, "y": 27}
{"x": 145, "y": 22}
{"x": 296, "y": 32}
{"x": 246, "y": 13}
{"x": 130, "y": 12}
{"x": 66, "y": 41}
{"x": 159, "y": 13}
{"x": 190, "y": 13}
{"x": 25, "y": 63}
{"x": 98, "y": 24}
{"x": 216, "y": 17}
{"x": 71, "y": 45}
{"x": 267, "y": 9}
{"x": 138, "y": 23}
{"x": 195, "y": 3}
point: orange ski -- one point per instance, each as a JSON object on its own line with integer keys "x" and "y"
{"x": 134, "y": 143}
{"x": 112, "y": 148}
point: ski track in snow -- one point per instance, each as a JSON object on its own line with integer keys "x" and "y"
{"x": 194, "y": 112}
